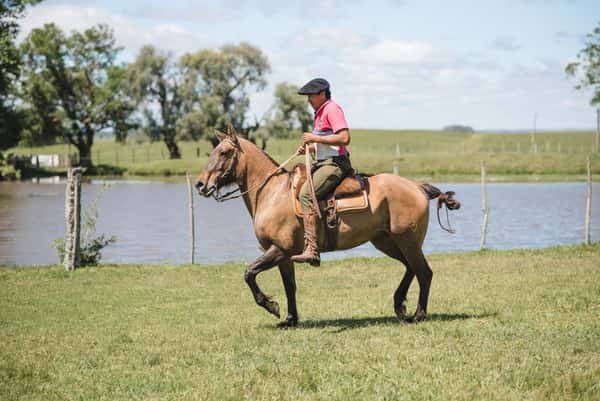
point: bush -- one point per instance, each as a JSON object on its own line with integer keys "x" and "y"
{"x": 91, "y": 245}
{"x": 8, "y": 172}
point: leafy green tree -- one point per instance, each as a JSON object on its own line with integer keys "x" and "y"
{"x": 587, "y": 66}
{"x": 202, "y": 91}
{"x": 157, "y": 85}
{"x": 222, "y": 79}
{"x": 73, "y": 87}
{"x": 289, "y": 114}
{"x": 291, "y": 111}
{"x": 10, "y": 119}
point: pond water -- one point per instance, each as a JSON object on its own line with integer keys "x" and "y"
{"x": 150, "y": 220}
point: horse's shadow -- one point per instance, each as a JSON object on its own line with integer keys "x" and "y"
{"x": 354, "y": 323}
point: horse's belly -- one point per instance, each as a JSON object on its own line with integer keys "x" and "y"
{"x": 355, "y": 229}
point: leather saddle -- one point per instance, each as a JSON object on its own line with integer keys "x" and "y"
{"x": 350, "y": 195}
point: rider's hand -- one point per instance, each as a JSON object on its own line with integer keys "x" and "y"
{"x": 309, "y": 137}
{"x": 301, "y": 150}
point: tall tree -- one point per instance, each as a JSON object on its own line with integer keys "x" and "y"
{"x": 587, "y": 66}
{"x": 73, "y": 85}
{"x": 288, "y": 114}
{"x": 224, "y": 78}
{"x": 291, "y": 109}
{"x": 157, "y": 85}
{"x": 10, "y": 119}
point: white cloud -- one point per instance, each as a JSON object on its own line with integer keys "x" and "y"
{"x": 505, "y": 43}
{"x": 129, "y": 32}
{"x": 394, "y": 52}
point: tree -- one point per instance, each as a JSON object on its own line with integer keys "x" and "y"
{"x": 72, "y": 86}
{"x": 10, "y": 119}
{"x": 291, "y": 110}
{"x": 202, "y": 91}
{"x": 587, "y": 66}
{"x": 288, "y": 114}
{"x": 156, "y": 84}
{"x": 223, "y": 78}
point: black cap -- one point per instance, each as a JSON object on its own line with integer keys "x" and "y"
{"x": 314, "y": 86}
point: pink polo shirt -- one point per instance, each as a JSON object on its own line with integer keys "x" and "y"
{"x": 329, "y": 119}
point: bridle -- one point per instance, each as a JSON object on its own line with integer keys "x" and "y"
{"x": 216, "y": 194}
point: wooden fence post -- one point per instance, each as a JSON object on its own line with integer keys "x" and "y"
{"x": 396, "y": 168}
{"x": 588, "y": 203}
{"x": 191, "y": 214}
{"x": 484, "y": 207}
{"x": 72, "y": 258}
{"x": 598, "y": 130}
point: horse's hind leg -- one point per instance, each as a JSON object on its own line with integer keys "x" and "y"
{"x": 288, "y": 276}
{"x": 267, "y": 260}
{"x": 416, "y": 262}
{"x": 388, "y": 246}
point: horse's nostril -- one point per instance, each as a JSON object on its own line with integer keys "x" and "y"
{"x": 199, "y": 184}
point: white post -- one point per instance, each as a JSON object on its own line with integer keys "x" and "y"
{"x": 72, "y": 258}
{"x": 396, "y": 168}
{"x": 484, "y": 207}
{"x": 191, "y": 215}
{"x": 588, "y": 204}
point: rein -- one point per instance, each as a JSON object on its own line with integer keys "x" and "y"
{"x": 232, "y": 194}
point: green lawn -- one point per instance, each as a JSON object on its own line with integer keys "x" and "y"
{"x": 509, "y": 325}
{"x": 428, "y": 155}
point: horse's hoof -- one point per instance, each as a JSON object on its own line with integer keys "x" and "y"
{"x": 401, "y": 312}
{"x": 419, "y": 316}
{"x": 287, "y": 323}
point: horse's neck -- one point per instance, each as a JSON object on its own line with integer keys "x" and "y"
{"x": 257, "y": 167}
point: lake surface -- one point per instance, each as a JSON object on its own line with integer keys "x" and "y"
{"x": 150, "y": 220}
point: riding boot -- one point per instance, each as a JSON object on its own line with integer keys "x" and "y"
{"x": 311, "y": 245}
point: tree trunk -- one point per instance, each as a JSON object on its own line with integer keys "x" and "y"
{"x": 85, "y": 155}
{"x": 172, "y": 147}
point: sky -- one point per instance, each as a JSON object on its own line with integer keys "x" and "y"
{"x": 392, "y": 64}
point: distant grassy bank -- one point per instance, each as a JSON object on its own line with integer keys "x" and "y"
{"x": 427, "y": 155}
{"x": 507, "y": 325}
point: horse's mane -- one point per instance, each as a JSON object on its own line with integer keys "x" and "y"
{"x": 275, "y": 163}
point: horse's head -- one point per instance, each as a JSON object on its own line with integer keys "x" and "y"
{"x": 220, "y": 169}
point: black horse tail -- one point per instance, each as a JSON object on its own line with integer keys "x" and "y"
{"x": 443, "y": 198}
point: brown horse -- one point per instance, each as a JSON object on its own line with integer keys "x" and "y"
{"x": 395, "y": 221}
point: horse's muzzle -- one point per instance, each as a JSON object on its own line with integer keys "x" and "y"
{"x": 203, "y": 189}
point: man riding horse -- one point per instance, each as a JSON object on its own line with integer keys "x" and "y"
{"x": 328, "y": 142}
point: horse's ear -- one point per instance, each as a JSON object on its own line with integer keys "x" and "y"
{"x": 231, "y": 134}
{"x": 220, "y": 135}
{"x": 230, "y": 129}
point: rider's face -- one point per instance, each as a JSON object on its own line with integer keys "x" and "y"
{"x": 317, "y": 100}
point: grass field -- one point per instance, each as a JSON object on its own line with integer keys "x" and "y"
{"x": 428, "y": 155}
{"x": 510, "y": 325}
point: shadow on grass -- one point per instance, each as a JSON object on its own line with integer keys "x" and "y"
{"x": 353, "y": 323}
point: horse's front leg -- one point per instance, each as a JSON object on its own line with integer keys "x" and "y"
{"x": 288, "y": 276}
{"x": 267, "y": 260}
